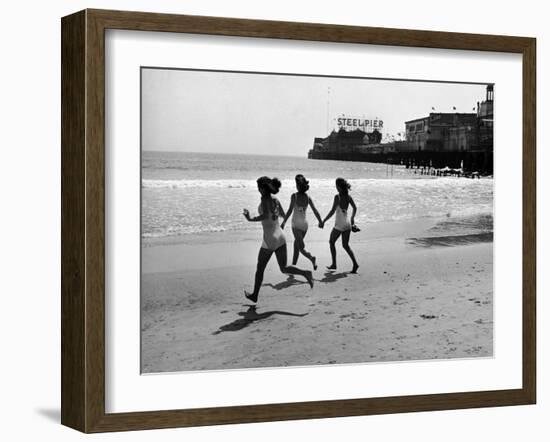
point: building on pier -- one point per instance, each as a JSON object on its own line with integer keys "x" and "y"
{"x": 436, "y": 139}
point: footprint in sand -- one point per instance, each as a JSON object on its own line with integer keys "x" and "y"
{"x": 475, "y": 349}
{"x": 428, "y": 316}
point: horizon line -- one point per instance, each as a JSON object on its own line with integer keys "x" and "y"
{"x": 225, "y": 153}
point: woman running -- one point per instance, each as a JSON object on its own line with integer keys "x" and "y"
{"x": 342, "y": 226}
{"x": 273, "y": 238}
{"x": 299, "y": 202}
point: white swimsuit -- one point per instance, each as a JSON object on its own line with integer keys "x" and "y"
{"x": 273, "y": 234}
{"x": 299, "y": 220}
{"x": 341, "y": 221}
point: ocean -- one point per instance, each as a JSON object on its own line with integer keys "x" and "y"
{"x": 190, "y": 193}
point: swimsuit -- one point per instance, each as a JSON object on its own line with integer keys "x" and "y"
{"x": 299, "y": 220}
{"x": 341, "y": 221}
{"x": 273, "y": 234}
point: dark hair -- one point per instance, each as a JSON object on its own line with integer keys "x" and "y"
{"x": 343, "y": 185}
{"x": 301, "y": 183}
{"x": 272, "y": 185}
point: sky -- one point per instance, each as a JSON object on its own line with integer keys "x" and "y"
{"x": 273, "y": 114}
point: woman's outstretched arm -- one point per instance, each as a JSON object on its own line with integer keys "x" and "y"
{"x": 354, "y": 207}
{"x": 315, "y": 211}
{"x": 331, "y": 210}
{"x": 290, "y": 209}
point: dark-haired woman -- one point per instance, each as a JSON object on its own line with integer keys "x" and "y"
{"x": 342, "y": 226}
{"x": 270, "y": 210}
{"x": 299, "y": 203}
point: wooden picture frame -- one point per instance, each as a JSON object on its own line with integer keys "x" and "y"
{"x": 83, "y": 220}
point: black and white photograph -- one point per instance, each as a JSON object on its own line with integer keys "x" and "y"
{"x": 302, "y": 220}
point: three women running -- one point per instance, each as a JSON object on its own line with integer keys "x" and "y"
{"x": 274, "y": 240}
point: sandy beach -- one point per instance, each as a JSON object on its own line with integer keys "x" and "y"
{"x": 415, "y": 297}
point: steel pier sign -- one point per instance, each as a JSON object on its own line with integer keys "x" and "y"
{"x": 353, "y": 123}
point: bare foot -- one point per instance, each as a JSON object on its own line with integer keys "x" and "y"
{"x": 251, "y": 296}
{"x": 355, "y": 267}
{"x": 331, "y": 267}
{"x": 314, "y": 262}
{"x": 309, "y": 277}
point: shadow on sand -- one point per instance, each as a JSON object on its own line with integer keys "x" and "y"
{"x": 290, "y": 281}
{"x": 333, "y": 277}
{"x": 250, "y": 316}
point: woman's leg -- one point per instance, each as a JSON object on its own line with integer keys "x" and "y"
{"x": 300, "y": 245}
{"x": 263, "y": 258}
{"x": 347, "y": 248}
{"x": 280, "y": 253}
{"x": 334, "y": 235}
{"x": 297, "y": 240}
